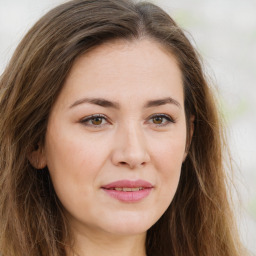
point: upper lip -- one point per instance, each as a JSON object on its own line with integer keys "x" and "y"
{"x": 128, "y": 184}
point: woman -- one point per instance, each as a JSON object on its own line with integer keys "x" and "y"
{"x": 110, "y": 139}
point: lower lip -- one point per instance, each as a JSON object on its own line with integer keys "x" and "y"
{"x": 129, "y": 196}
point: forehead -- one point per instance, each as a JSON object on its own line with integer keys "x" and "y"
{"x": 125, "y": 69}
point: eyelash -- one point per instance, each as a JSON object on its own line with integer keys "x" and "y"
{"x": 88, "y": 119}
{"x": 168, "y": 118}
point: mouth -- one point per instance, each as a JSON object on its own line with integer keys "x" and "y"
{"x": 127, "y": 190}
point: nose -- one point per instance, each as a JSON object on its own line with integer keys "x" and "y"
{"x": 130, "y": 148}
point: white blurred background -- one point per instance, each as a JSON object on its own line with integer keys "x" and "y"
{"x": 224, "y": 32}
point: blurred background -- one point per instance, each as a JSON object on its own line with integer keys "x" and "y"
{"x": 224, "y": 33}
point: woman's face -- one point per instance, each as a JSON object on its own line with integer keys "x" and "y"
{"x": 116, "y": 137}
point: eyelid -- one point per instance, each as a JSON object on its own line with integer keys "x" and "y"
{"x": 86, "y": 119}
{"x": 166, "y": 116}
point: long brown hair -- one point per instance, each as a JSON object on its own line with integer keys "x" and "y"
{"x": 198, "y": 221}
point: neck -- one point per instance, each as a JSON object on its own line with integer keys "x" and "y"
{"x": 100, "y": 243}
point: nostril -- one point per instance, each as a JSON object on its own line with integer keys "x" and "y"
{"x": 132, "y": 165}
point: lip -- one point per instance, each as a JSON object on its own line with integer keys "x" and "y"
{"x": 128, "y": 196}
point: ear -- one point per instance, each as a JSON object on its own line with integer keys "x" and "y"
{"x": 190, "y": 135}
{"x": 37, "y": 158}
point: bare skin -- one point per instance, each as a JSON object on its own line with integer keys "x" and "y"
{"x": 120, "y": 116}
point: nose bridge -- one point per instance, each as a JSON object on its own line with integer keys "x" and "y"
{"x": 131, "y": 148}
{"x": 134, "y": 138}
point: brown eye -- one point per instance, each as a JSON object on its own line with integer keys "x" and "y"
{"x": 157, "y": 120}
{"x": 160, "y": 120}
{"x": 97, "y": 120}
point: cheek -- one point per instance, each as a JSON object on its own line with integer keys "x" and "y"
{"x": 73, "y": 168}
{"x": 168, "y": 157}
{"x": 169, "y": 151}
{"x": 71, "y": 152}
{"x": 74, "y": 161}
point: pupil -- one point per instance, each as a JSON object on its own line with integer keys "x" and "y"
{"x": 97, "y": 120}
{"x": 158, "y": 120}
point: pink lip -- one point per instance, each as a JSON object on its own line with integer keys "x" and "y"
{"x": 128, "y": 196}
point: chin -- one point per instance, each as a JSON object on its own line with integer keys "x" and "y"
{"x": 130, "y": 224}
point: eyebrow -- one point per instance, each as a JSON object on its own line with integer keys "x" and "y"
{"x": 96, "y": 101}
{"x": 110, "y": 104}
{"x": 160, "y": 102}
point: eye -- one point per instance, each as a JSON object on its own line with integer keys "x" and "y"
{"x": 94, "y": 121}
{"x": 158, "y": 119}
{"x": 97, "y": 120}
{"x": 161, "y": 120}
